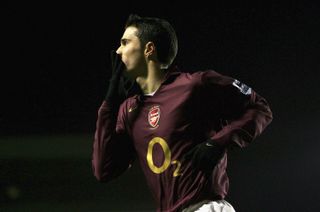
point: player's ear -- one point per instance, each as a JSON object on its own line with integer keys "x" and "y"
{"x": 149, "y": 50}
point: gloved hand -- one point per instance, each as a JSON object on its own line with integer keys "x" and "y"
{"x": 205, "y": 156}
{"x": 120, "y": 86}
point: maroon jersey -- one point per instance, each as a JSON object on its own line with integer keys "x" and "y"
{"x": 158, "y": 130}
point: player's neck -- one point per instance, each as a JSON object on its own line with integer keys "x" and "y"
{"x": 152, "y": 81}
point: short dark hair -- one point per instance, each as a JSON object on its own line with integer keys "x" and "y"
{"x": 158, "y": 31}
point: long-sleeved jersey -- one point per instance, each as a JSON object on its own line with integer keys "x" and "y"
{"x": 158, "y": 130}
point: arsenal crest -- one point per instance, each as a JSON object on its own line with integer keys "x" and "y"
{"x": 154, "y": 116}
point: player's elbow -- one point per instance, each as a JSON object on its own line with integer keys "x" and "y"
{"x": 101, "y": 176}
{"x": 107, "y": 171}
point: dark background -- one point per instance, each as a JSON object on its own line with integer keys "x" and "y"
{"x": 54, "y": 74}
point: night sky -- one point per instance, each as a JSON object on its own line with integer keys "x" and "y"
{"x": 57, "y": 57}
{"x": 56, "y": 65}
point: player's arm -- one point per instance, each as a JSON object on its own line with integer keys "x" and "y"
{"x": 237, "y": 113}
{"x": 112, "y": 149}
{"x": 113, "y": 152}
{"x": 244, "y": 112}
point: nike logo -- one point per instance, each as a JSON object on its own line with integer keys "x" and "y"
{"x": 209, "y": 144}
{"x": 132, "y": 109}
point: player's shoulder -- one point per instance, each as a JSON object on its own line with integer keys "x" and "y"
{"x": 205, "y": 76}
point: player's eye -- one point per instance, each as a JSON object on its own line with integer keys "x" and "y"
{"x": 124, "y": 42}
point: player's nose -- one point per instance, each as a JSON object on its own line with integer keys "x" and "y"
{"x": 119, "y": 50}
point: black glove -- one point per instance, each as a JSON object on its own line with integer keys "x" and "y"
{"x": 120, "y": 86}
{"x": 205, "y": 155}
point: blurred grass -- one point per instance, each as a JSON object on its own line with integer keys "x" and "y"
{"x": 53, "y": 173}
{"x": 46, "y": 146}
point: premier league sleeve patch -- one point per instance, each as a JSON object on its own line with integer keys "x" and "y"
{"x": 243, "y": 88}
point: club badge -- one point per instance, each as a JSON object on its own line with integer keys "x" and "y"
{"x": 154, "y": 116}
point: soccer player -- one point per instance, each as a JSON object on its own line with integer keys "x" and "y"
{"x": 178, "y": 125}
